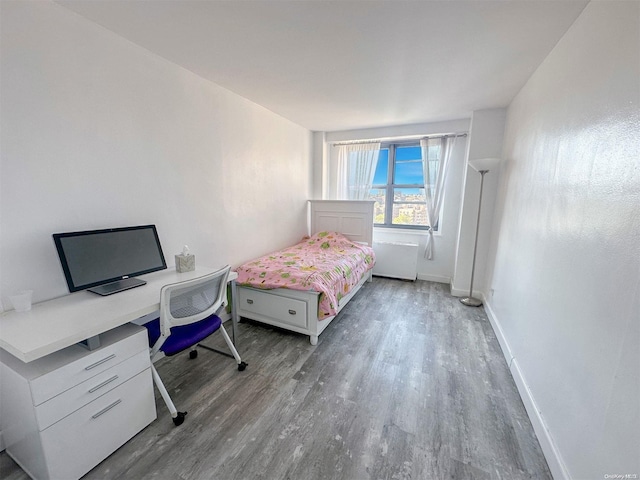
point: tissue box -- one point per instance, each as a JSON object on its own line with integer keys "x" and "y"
{"x": 185, "y": 263}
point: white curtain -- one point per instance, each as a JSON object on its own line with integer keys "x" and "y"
{"x": 436, "y": 154}
{"x": 356, "y": 168}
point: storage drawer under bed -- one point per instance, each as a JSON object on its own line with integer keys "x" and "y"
{"x": 283, "y": 309}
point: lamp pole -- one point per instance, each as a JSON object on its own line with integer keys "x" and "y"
{"x": 470, "y": 301}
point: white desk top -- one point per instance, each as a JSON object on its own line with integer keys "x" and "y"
{"x": 56, "y": 324}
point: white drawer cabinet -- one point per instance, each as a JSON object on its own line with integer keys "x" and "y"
{"x": 70, "y": 371}
{"x": 73, "y": 399}
{"x": 66, "y": 412}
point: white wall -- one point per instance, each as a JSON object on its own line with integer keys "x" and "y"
{"x": 439, "y": 269}
{"x": 485, "y": 141}
{"x": 565, "y": 260}
{"x": 98, "y": 132}
{"x": 319, "y": 165}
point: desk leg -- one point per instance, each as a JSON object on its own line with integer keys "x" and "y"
{"x": 91, "y": 343}
{"x": 234, "y": 311}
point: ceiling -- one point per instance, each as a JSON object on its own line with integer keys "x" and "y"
{"x": 348, "y": 64}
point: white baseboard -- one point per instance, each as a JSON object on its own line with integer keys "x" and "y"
{"x": 548, "y": 446}
{"x": 457, "y": 292}
{"x": 434, "y": 278}
{"x": 464, "y": 292}
{"x": 497, "y": 329}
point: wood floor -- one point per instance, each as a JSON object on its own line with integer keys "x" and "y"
{"x": 407, "y": 383}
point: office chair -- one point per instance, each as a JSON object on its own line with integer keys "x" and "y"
{"x": 188, "y": 314}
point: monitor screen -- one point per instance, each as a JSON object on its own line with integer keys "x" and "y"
{"x": 98, "y": 257}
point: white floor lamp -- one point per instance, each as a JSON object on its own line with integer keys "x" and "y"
{"x": 482, "y": 165}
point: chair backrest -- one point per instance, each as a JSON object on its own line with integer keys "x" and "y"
{"x": 192, "y": 300}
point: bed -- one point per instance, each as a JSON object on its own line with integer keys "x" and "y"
{"x": 342, "y": 227}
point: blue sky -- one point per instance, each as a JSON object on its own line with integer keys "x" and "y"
{"x": 406, "y": 172}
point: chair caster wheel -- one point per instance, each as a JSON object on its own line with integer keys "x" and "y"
{"x": 179, "y": 419}
{"x": 193, "y": 354}
{"x": 242, "y": 366}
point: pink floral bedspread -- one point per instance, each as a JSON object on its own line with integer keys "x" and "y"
{"x": 327, "y": 262}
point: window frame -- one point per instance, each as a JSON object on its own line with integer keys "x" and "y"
{"x": 390, "y": 187}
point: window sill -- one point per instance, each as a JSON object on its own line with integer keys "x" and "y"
{"x": 404, "y": 231}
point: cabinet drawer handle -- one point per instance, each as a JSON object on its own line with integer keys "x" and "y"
{"x": 292, "y": 312}
{"x": 106, "y": 409}
{"x": 249, "y": 301}
{"x": 100, "y": 362}
{"x": 98, "y": 387}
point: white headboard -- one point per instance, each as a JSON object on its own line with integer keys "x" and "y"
{"x": 352, "y": 218}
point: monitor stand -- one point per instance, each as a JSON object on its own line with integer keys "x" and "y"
{"x": 117, "y": 286}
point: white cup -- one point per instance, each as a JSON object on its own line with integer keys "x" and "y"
{"x": 21, "y": 301}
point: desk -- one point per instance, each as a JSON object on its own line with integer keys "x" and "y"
{"x": 59, "y": 323}
{"x": 65, "y": 408}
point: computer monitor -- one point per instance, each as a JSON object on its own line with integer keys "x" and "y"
{"x": 105, "y": 261}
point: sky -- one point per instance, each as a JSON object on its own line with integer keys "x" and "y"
{"x": 407, "y": 171}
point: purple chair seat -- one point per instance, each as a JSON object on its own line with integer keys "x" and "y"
{"x": 184, "y": 336}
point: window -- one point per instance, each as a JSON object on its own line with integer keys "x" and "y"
{"x": 398, "y": 187}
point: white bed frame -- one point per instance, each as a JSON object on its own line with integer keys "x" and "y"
{"x": 297, "y": 310}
